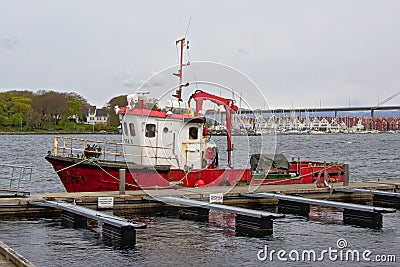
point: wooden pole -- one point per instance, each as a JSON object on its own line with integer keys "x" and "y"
{"x": 346, "y": 175}
{"x": 122, "y": 181}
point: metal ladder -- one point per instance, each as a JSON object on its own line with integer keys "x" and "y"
{"x": 11, "y": 177}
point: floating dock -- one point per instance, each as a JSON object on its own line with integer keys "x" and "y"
{"x": 193, "y": 203}
{"x": 115, "y": 229}
{"x": 381, "y": 198}
{"x": 355, "y": 214}
{"x": 247, "y": 221}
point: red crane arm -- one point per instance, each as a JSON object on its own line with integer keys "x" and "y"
{"x": 199, "y": 96}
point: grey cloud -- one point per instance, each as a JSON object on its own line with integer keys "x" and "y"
{"x": 8, "y": 42}
{"x": 148, "y": 84}
{"x": 331, "y": 51}
{"x": 242, "y": 51}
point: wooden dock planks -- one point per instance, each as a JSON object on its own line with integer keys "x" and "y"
{"x": 9, "y": 257}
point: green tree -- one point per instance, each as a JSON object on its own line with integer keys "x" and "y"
{"x": 40, "y": 110}
{"x": 75, "y": 108}
{"x": 4, "y": 118}
{"x": 20, "y": 106}
{"x": 116, "y": 101}
{"x": 50, "y": 108}
{"x": 13, "y": 107}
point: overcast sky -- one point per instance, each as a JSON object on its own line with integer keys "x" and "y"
{"x": 305, "y": 53}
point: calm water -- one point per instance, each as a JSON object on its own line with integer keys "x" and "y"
{"x": 171, "y": 242}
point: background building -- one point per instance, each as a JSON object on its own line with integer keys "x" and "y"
{"x": 95, "y": 115}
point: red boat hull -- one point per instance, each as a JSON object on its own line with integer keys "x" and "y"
{"x": 78, "y": 175}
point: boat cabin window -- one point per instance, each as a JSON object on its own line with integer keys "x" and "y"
{"x": 150, "y": 130}
{"x": 125, "y": 129}
{"x": 132, "y": 129}
{"x": 193, "y": 133}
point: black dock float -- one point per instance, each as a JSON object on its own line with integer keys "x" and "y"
{"x": 193, "y": 213}
{"x": 380, "y": 198}
{"x": 362, "y": 218}
{"x": 248, "y": 222}
{"x": 386, "y": 201}
{"x": 292, "y": 207}
{"x": 122, "y": 236}
{"x": 355, "y": 214}
{"x": 118, "y": 230}
{"x": 70, "y": 219}
{"x": 253, "y": 226}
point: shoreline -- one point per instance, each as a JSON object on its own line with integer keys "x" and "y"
{"x": 221, "y": 133}
{"x": 212, "y": 134}
{"x": 52, "y": 133}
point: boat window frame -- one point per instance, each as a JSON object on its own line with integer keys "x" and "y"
{"x": 132, "y": 130}
{"x": 150, "y": 133}
{"x": 125, "y": 127}
{"x": 193, "y": 135}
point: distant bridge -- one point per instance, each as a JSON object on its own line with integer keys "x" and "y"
{"x": 335, "y": 110}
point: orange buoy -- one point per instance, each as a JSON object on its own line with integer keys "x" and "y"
{"x": 199, "y": 183}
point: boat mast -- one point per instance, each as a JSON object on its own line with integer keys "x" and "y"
{"x": 182, "y": 44}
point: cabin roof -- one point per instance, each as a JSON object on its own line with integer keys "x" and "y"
{"x": 158, "y": 114}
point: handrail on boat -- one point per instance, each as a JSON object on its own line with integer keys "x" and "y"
{"x": 68, "y": 147}
{"x": 106, "y": 150}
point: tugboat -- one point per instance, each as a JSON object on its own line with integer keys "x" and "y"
{"x": 169, "y": 148}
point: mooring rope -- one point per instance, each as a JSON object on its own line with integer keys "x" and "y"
{"x": 109, "y": 174}
{"x": 73, "y": 165}
{"x": 137, "y": 186}
{"x": 169, "y": 186}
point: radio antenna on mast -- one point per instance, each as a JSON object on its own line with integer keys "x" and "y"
{"x": 187, "y": 29}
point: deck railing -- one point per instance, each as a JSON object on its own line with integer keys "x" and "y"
{"x": 111, "y": 151}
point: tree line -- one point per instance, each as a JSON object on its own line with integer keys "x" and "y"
{"x": 50, "y": 111}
